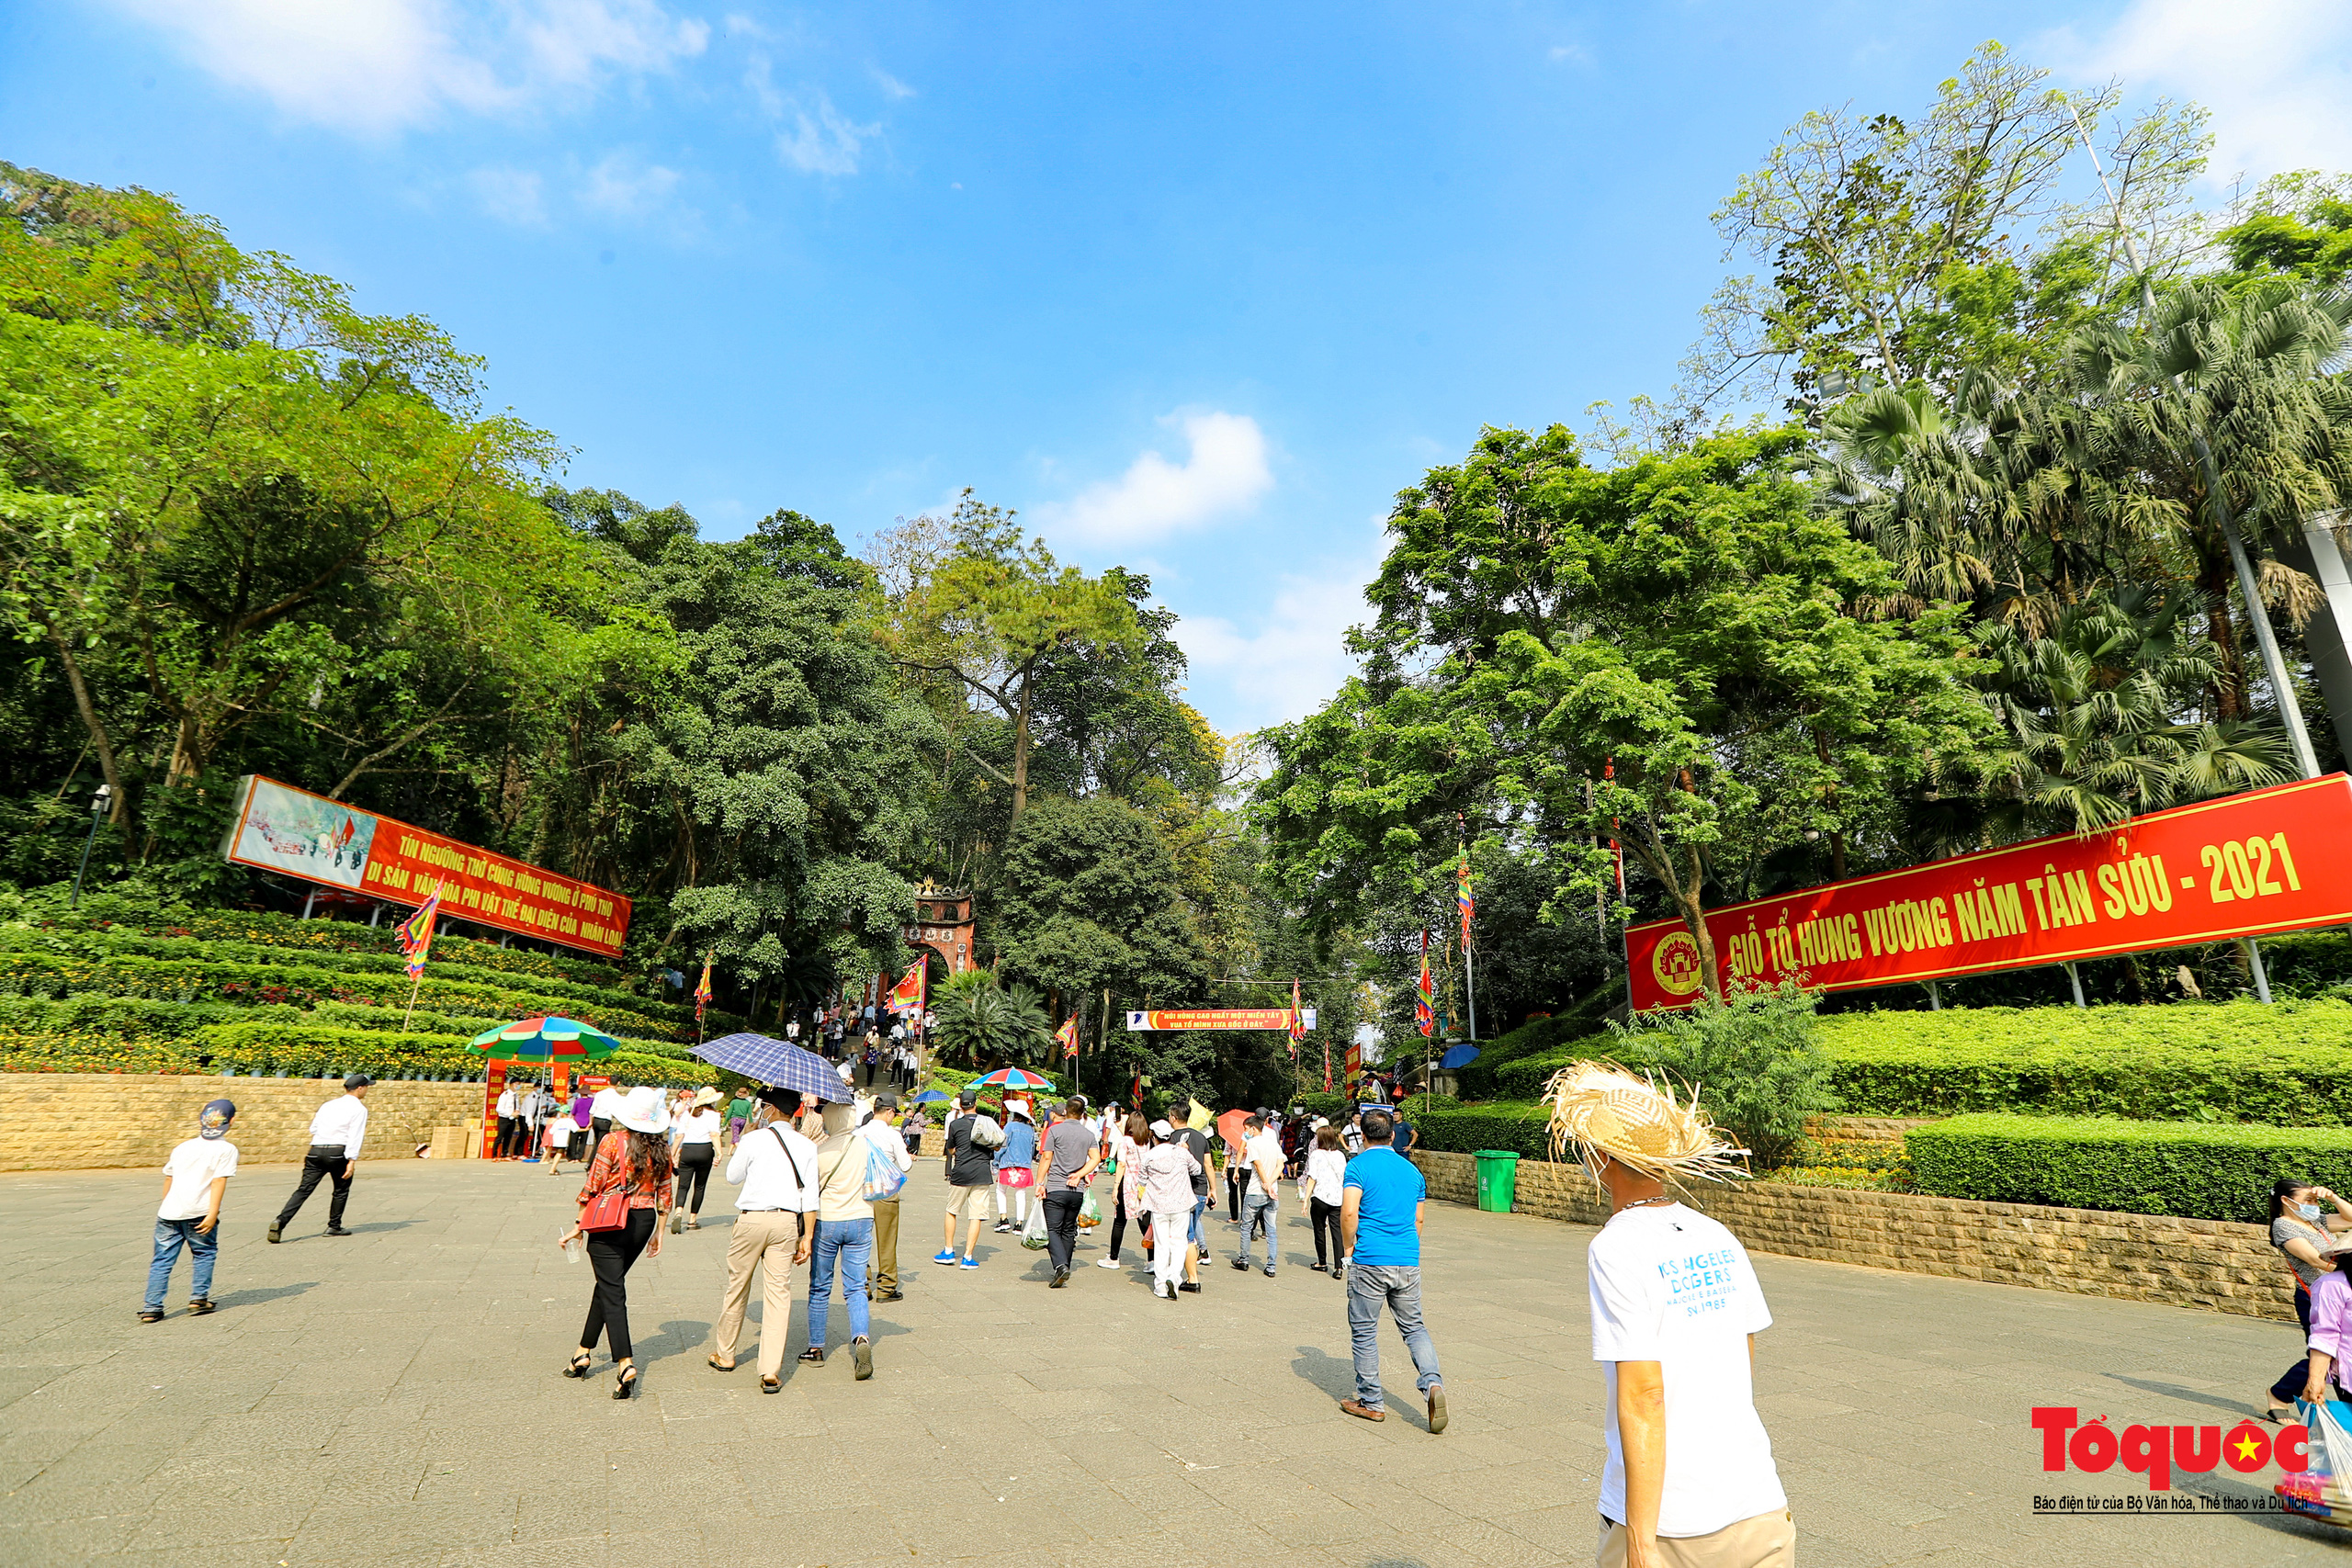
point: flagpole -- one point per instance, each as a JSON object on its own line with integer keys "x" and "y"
{"x": 415, "y": 981}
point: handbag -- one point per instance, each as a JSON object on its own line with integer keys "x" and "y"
{"x": 607, "y": 1210}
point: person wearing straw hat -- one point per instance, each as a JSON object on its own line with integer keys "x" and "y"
{"x": 1689, "y": 1481}
{"x": 634, "y": 1160}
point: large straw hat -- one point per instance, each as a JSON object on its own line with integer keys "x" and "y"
{"x": 641, "y": 1110}
{"x": 1599, "y": 1108}
{"x": 706, "y": 1095}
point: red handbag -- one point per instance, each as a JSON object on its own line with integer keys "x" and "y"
{"x": 608, "y": 1209}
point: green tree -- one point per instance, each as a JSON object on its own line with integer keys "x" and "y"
{"x": 1087, "y": 902}
{"x": 982, "y": 1023}
{"x": 1752, "y": 1057}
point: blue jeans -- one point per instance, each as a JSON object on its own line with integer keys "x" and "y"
{"x": 203, "y": 1247}
{"x": 850, "y": 1241}
{"x": 1261, "y": 1211}
{"x": 1200, "y": 1207}
{"x": 1400, "y": 1287}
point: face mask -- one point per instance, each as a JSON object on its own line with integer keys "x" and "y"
{"x": 2309, "y": 1210}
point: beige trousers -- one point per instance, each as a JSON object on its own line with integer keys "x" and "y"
{"x": 1768, "y": 1540}
{"x": 766, "y": 1239}
{"x": 886, "y": 1245}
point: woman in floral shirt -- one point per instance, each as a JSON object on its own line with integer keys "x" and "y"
{"x": 633, "y": 1158}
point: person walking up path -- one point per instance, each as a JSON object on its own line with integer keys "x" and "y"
{"x": 633, "y": 1160}
{"x": 844, "y": 1238}
{"x": 1073, "y": 1152}
{"x": 1321, "y": 1193}
{"x": 775, "y": 1227}
{"x": 971, "y": 1175}
{"x": 336, "y": 1133}
{"x": 1168, "y": 1168}
{"x": 1016, "y": 1166}
{"x": 1261, "y": 1193}
{"x": 1128, "y": 1145}
{"x": 697, "y": 1131}
{"x": 196, "y": 1181}
{"x": 1689, "y": 1481}
{"x": 881, "y": 1129}
{"x": 1380, "y": 1223}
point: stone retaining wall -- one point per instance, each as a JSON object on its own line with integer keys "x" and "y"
{"x": 91, "y": 1121}
{"x": 2144, "y": 1257}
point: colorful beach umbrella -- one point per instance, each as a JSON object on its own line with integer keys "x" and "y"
{"x": 1012, "y": 1077}
{"x": 545, "y": 1038}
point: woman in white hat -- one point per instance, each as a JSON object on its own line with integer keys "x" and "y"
{"x": 632, "y": 1160}
{"x": 696, "y": 1130}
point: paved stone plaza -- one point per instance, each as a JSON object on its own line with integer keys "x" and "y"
{"x": 393, "y": 1398}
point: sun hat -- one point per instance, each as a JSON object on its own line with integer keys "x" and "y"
{"x": 706, "y": 1095}
{"x": 213, "y": 1120}
{"x": 1599, "y": 1109}
{"x": 641, "y": 1110}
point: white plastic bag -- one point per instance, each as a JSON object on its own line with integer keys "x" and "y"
{"x": 1033, "y": 1234}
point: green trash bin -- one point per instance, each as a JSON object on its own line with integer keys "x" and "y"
{"x": 1497, "y": 1178}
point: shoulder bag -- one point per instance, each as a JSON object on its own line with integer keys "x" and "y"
{"x": 608, "y": 1210}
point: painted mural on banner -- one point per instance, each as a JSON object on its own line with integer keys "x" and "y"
{"x": 2270, "y": 860}
{"x": 281, "y": 829}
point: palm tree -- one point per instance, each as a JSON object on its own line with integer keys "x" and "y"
{"x": 982, "y": 1022}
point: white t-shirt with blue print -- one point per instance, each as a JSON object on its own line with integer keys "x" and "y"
{"x": 1672, "y": 1286}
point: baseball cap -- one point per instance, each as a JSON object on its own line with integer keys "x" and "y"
{"x": 886, "y": 1102}
{"x": 213, "y": 1120}
{"x": 358, "y": 1081}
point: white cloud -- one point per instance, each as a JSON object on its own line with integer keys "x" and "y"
{"x": 892, "y": 88}
{"x": 2276, "y": 73}
{"x": 514, "y": 196}
{"x": 625, "y": 187}
{"x": 1569, "y": 54}
{"x": 1293, "y": 664}
{"x": 1225, "y": 472}
{"x": 378, "y": 66}
{"x": 827, "y": 144}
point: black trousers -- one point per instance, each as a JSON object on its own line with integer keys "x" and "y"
{"x": 1119, "y": 1218}
{"x": 1235, "y": 1174}
{"x": 693, "y": 1174}
{"x": 1322, "y": 1214}
{"x": 1061, "y": 1224}
{"x": 599, "y": 1126}
{"x": 324, "y": 1159}
{"x": 506, "y": 1125}
{"x": 2291, "y": 1386}
{"x": 610, "y": 1253}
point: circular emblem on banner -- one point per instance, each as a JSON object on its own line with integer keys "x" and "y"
{"x": 1675, "y": 962}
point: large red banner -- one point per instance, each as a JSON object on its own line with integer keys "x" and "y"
{"x": 279, "y": 828}
{"x": 2270, "y": 860}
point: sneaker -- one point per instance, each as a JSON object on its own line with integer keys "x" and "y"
{"x": 273, "y": 1230}
{"x": 338, "y": 1230}
{"x": 1003, "y": 1228}
{"x": 1191, "y": 1286}
{"x": 1061, "y": 1278}
{"x": 1270, "y": 1270}
{"x": 890, "y": 1296}
{"x": 1242, "y": 1264}
{"x": 946, "y": 1258}
{"x": 1318, "y": 1269}
{"x": 1106, "y": 1263}
{"x": 1437, "y": 1407}
{"x": 861, "y": 1351}
{"x": 970, "y": 1263}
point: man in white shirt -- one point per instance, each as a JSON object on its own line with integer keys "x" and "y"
{"x": 508, "y": 1108}
{"x": 600, "y": 1113}
{"x": 1689, "y": 1481}
{"x": 881, "y": 1129}
{"x": 1261, "y": 1194}
{"x": 336, "y": 1133}
{"x": 775, "y": 1226}
{"x": 196, "y": 1180}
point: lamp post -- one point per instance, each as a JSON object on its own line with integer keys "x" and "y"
{"x": 99, "y": 804}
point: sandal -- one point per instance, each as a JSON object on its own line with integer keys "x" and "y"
{"x": 770, "y": 1385}
{"x": 814, "y": 1355}
{"x": 625, "y": 1384}
{"x": 2278, "y": 1416}
{"x": 151, "y": 1315}
{"x": 579, "y": 1367}
{"x": 718, "y": 1366}
{"x": 199, "y": 1306}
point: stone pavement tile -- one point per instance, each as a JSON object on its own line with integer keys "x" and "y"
{"x": 68, "y": 1539}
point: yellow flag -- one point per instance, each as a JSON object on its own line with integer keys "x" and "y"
{"x": 1199, "y": 1116}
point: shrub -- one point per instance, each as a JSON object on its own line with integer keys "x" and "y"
{"x": 1752, "y": 1059}
{"x": 1525, "y": 1129}
{"x": 1484, "y": 1077}
{"x": 2194, "y": 1170}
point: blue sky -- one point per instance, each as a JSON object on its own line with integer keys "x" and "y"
{"x": 1196, "y": 287}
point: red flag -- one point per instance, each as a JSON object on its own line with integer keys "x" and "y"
{"x": 416, "y": 935}
{"x": 702, "y": 988}
{"x": 1067, "y": 1035}
{"x": 1467, "y": 900}
{"x": 907, "y": 996}
{"x": 1297, "y": 1021}
{"x": 1425, "y": 995}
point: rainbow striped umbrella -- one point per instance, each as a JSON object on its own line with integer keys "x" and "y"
{"x": 545, "y": 1038}
{"x": 1013, "y": 1077}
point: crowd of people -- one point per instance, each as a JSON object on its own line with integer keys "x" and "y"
{"x": 1689, "y": 1479}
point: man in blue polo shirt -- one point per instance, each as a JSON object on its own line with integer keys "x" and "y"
{"x": 1380, "y": 1223}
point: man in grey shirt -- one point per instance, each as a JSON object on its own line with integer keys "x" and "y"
{"x": 1071, "y": 1152}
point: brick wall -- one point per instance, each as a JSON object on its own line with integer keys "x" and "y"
{"x": 2144, "y": 1257}
{"x": 87, "y": 1120}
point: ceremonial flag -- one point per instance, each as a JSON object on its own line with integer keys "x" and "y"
{"x": 416, "y": 935}
{"x": 702, "y": 989}
{"x": 1465, "y": 897}
{"x": 1297, "y": 1021}
{"x": 906, "y": 995}
{"x": 1425, "y": 994}
{"x": 1067, "y": 1035}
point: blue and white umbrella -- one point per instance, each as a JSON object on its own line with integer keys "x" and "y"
{"x": 779, "y": 1064}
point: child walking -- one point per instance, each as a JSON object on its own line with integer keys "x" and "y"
{"x": 195, "y": 1181}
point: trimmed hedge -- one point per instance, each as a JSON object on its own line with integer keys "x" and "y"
{"x": 2287, "y": 1063}
{"x": 1525, "y": 1129}
{"x": 2192, "y": 1169}
{"x": 304, "y": 1053}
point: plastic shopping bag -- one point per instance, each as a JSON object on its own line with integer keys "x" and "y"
{"x": 2319, "y": 1490}
{"x": 1089, "y": 1216}
{"x": 1033, "y": 1234}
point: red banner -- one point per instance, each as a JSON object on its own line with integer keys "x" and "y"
{"x": 1141, "y": 1019}
{"x": 2271, "y": 860}
{"x": 279, "y": 828}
